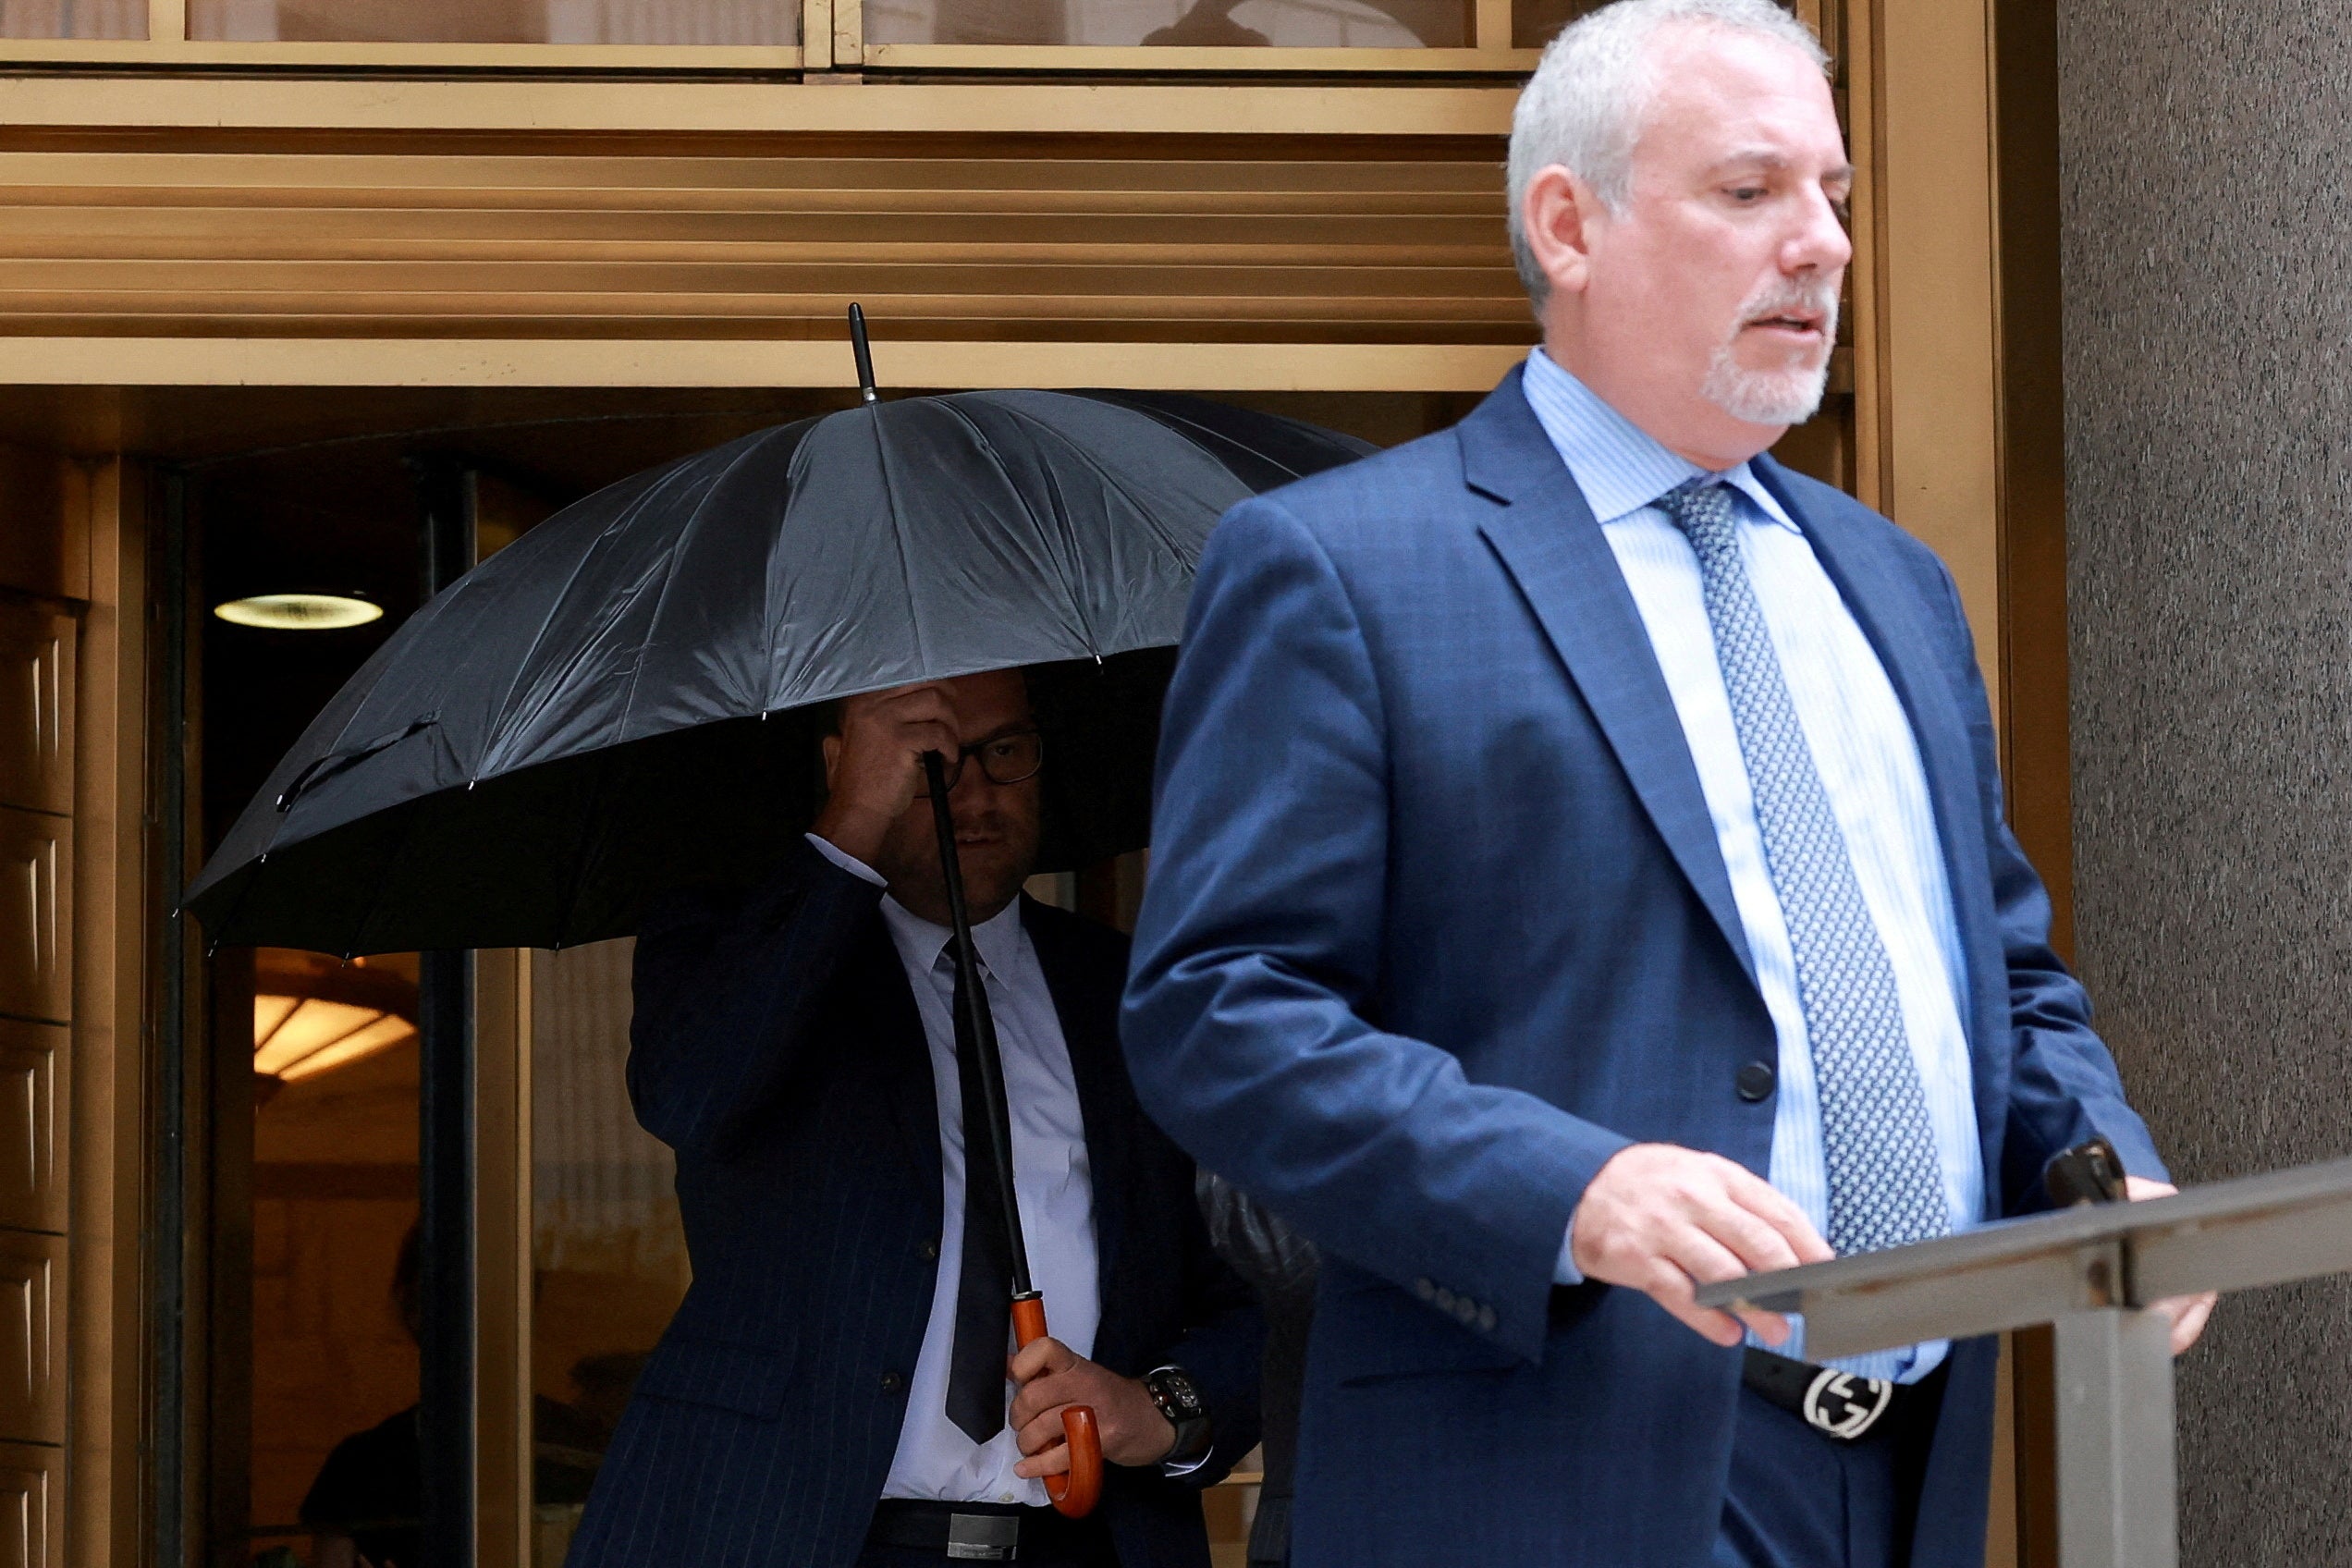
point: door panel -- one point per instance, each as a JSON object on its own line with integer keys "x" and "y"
{"x": 31, "y": 1394}
{"x": 35, "y": 980}
{"x": 31, "y": 1484}
{"x": 36, "y": 728}
{"x": 31, "y": 1054}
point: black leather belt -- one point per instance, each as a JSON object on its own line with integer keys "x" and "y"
{"x": 1837, "y": 1404}
{"x": 982, "y": 1532}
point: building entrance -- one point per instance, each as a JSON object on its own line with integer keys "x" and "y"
{"x": 317, "y": 1243}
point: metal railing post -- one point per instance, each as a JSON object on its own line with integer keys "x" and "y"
{"x": 2115, "y": 1449}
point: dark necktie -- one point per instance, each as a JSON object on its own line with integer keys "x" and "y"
{"x": 1886, "y": 1187}
{"x": 983, "y": 1291}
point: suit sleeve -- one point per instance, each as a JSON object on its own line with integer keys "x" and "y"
{"x": 1222, "y": 1348}
{"x": 726, "y": 990}
{"x": 2063, "y": 1087}
{"x": 1251, "y": 1005}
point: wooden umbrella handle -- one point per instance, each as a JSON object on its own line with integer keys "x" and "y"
{"x": 1076, "y": 1494}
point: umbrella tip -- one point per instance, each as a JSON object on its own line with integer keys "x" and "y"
{"x": 865, "y": 355}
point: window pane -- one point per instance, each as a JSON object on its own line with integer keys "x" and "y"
{"x": 1534, "y": 22}
{"x": 334, "y": 1457}
{"x": 608, "y": 1251}
{"x": 1297, "y": 24}
{"x": 73, "y": 18}
{"x": 496, "y": 21}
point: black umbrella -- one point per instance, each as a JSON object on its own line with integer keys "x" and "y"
{"x": 626, "y": 700}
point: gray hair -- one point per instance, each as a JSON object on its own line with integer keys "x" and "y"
{"x": 1583, "y": 109}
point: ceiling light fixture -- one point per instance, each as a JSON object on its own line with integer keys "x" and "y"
{"x": 300, "y": 612}
{"x": 311, "y": 1013}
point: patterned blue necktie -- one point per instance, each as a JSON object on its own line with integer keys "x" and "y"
{"x": 1886, "y": 1186}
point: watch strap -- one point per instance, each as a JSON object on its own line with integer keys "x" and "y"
{"x": 1178, "y": 1398}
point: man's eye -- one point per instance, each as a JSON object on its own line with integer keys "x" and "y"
{"x": 1748, "y": 194}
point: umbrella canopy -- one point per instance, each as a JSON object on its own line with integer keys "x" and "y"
{"x": 627, "y": 699}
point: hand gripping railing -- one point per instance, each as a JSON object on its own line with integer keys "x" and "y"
{"x": 2091, "y": 1272}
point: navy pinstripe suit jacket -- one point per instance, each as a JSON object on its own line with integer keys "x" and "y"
{"x": 777, "y": 1048}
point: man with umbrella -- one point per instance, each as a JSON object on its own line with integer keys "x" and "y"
{"x": 623, "y": 704}
{"x": 835, "y": 1387}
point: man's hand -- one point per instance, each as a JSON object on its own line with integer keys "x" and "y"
{"x": 1665, "y": 1221}
{"x": 2188, "y": 1314}
{"x": 873, "y": 768}
{"x": 1051, "y": 1376}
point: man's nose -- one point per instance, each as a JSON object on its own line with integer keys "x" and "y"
{"x": 973, "y": 787}
{"x": 1821, "y": 243}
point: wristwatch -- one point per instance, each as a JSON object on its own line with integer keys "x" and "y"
{"x": 1179, "y": 1398}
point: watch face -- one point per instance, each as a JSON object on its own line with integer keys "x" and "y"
{"x": 1180, "y": 1392}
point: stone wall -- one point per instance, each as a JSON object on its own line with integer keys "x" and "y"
{"x": 2208, "y": 311}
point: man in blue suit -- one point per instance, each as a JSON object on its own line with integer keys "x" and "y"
{"x": 1580, "y": 873}
{"x": 835, "y": 1388}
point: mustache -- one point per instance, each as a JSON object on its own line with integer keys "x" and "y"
{"x": 1787, "y": 296}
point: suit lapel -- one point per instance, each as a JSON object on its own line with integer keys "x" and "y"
{"x": 1554, "y": 549}
{"x": 903, "y": 1056}
{"x": 1086, "y": 1002}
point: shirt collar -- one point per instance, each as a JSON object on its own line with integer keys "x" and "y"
{"x": 920, "y": 943}
{"x": 1619, "y": 466}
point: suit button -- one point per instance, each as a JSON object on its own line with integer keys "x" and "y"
{"x": 1444, "y": 1299}
{"x": 892, "y": 1382}
{"x": 1467, "y": 1310}
{"x": 1756, "y": 1081}
{"x": 930, "y": 1252}
{"x": 1485, "y": 1319}
{"x": 1424, "y": 1289}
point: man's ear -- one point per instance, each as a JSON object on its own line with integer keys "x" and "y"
{"x": 1557, "y": 215}
{"x": 832, "y": 746}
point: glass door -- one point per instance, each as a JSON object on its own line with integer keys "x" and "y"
{"x": 582, "y": 1259}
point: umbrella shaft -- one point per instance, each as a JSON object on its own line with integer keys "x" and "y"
{"x": 977, "y": 1026}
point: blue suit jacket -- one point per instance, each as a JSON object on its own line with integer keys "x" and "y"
{"x": 776, "y": 1047}
{"x": 1437, "y": 923}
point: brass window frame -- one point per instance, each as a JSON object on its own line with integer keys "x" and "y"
{"x": 832, "y": 41}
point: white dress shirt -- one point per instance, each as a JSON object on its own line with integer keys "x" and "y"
{"x": 936, "y": 1460}
{"x": 1868, "y": 760}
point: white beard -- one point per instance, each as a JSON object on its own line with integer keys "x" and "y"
{"x": 1788, "y": 396}
{"x": 1765, "y": 397}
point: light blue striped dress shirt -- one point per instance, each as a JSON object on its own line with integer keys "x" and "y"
{"x": 1869, "y": 764}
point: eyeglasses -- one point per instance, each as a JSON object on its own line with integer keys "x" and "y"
{"x": 1005, "y": 759}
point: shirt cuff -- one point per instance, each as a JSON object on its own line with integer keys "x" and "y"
{"x": 1564, "y": 1271}
{"x": 1176, "y": 1471}
{"x": 846, "y": 860}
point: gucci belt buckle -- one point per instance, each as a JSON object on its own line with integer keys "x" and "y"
{"x": 1847, "y": 1406}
